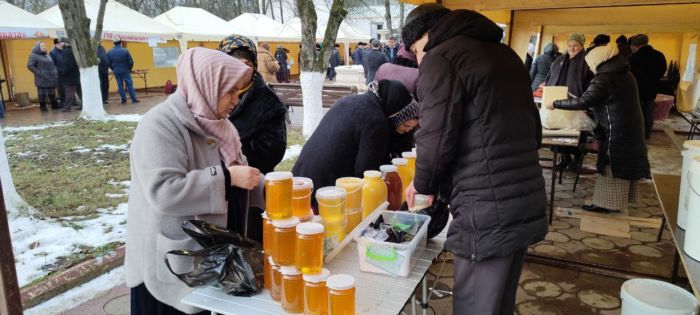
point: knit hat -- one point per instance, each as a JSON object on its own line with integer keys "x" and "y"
{"x": 601, "y": 39}
{"x": 599, "y": 55}
{"x": 407, "y": 113}
{"x": 420, "y": 20}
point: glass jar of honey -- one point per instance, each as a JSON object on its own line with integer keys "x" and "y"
{"x": 410, "y": 156}
{"x": 353, "y": 191}
{"x": 292, "y": 290}
{"x": 278, "y": 195}
{"x": 275, "y": 280}
{"x": 316, "y": 293}
{"x": 334, "y": 234}
{"x": 267, "y": 272}
{"x": 285, "y": 238}
{"x": 331, "y": 204}
{"x": 341, "y": 294}
{"x": 393, "y": 186}
{"x": 404, "y": 174}
{"x": 354, "y": 217}
{"x": 301, "y": 198}
{"x": 268, "y": 234}
{"x": 374, "y": 192}
{"x": 309, "y": 247}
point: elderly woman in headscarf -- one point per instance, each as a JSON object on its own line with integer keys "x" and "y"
{"x": 357, "y": 134}
{"x": 622, "y": 154}
{"x": 186, "y": 163}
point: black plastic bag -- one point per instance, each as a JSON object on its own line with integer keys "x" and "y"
{"x": 229, "y": 261}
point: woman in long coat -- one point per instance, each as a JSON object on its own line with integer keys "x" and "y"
{"x": 622, "y": 154}
{"x": 45, "y": 75}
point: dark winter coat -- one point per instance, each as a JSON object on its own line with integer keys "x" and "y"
{"x": 357, "y": 56}
{"x": 120, "y": 60}
{"x": 373, "y": 60}
{"x": 71, "y": 72}
{"x": 480, "y": 134}
{"x": 391, "y": 53}
{"x": 648, "y": 66}
{"x": 573, "y": 73}
{"x": 57, "y": 57}
{"x": 613, "y": 97}
{"x": 541, "y": 65}
{"x": 528, "y": 61}
{"x": 281, "y": 57}
{"x": 260, "y": 120}
{"x": 41, "y": 65}
{"x": 103, "y": 66}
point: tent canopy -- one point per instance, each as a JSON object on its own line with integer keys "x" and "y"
{"x": 16, "y": 23}
{"x": 345, "y": 32}
{"x": 196, "y": 24}
{"x": 262, "y": 28}
{"x": 119, "y": 21}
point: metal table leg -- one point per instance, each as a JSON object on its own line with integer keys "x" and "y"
{"x": 424, "y": 297}
{"x": 555, "y": 150}
{"x": 676, "y": 264}
{"x": 661, "y": 229}
{"x": 413, "y": 304}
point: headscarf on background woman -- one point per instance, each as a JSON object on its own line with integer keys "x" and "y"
{"x": 216, "y": 75}
{"x": 599, "y": 55}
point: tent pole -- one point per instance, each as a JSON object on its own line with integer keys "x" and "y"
{"x": 347, "y": 53}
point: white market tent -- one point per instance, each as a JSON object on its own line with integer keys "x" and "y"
{"x": 195, "y": 24}
{"x": 262, "y": 28}
{"x": 16, "y": 23}
{"x": 119, "y": 21}
{"x": 346, "y": 34}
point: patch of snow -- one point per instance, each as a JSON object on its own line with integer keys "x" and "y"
{"x": 131, "y": 117}
{"x": 36, "y": 127}
{"x": 37, "y": 137}
{"x": 83, "y": 150}
{"x": 292, "y": 152}
{"x": 80, "y": 294}
{"x": 53, "y": 239}
{"x": 112, "y": 147}
{"x": 108, "y": 195}
{"x": 23, "y": 154}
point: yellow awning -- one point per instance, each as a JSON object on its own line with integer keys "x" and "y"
{"x": 480, "y": 5}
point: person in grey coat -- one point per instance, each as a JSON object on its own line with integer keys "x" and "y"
{"x": 373, "y": 60}
{"x": 540, "y": 67}
{"x": 185, "y": 157}
{"x": 45, "y": 75}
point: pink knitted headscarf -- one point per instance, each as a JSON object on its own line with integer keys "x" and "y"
{"x": 203, "y": 77}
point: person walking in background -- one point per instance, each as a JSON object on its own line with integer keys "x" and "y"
{"x": 623, "y": 46}
{"x": 333, "y": 62}
{"x": 71, "y": 77}
{"x": 45, "y": 75}
{"x": 648, "y": 67}
{"x": 391, "y": 50}
{"x": 542, "y": 64}
{"x": 281, "y": 57}
{"x": 57, "y": 58}
{"x": 358, "y": 54}
{"x": 121, "y": 63}
{"x": 374, "y": 59}
{"x": 622, "y": 154}
{"x": 477, "y": 145}
{"x": 528, "y": 56}
{"x": 103, "y": 70}
{"x": 267, "y": 65}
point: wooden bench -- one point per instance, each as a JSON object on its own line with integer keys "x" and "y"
{"x": 290, "y": 93}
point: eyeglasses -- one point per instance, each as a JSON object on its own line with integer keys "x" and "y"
{"x": 242, "y": 91}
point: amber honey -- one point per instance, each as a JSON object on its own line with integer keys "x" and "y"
{"x": 268, "y": 235}
{"x": 374, "y": 192}
{"x": 331, "y": 204}
{"x": 292, "y": 290}
{"x": 283, "y": 251}
{"x": 354, "y": 217}
{"x": 410, "y": 156}
{"x": 404, "y": 174}
{"x": 316, "y": 293}
{"x": 267, "y": 272}
{"x": 341, "y": 295}
{"x": 278, "y": 195}
{"x": 309, "y": 247}
{"x": 275, "y": 281}
{"x": 353, "y": 191}
{"x": 301, "y": 198}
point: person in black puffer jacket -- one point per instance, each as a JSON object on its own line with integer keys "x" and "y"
{"x": 358, "y": 134}
{"x": 71, "y": 77}
{"x": 622, "y": 153}
{"x": 541, "y": 65}
{"x": 45, "y": 75}
{"x": 260, "y": 121}
{"x": 478, "y": 137}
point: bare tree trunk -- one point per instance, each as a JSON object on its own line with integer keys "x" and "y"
{"x": 401, "y": 17}
{"x": 77, "y": 25}
{"x": 272, "y": 9}
{"x": 314, "y": 64}
{"x": 281, "y": 12}
{"x": 387, "y": 16}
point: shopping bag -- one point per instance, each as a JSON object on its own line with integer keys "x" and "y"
{"x": 228, "y": 261}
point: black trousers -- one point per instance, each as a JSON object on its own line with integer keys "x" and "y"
{"x": 143, "y": 303}
{"x": 104, "y": 86}
{"x": 648, "y": 111}
{"x": 61, "y": 91}
{"x": 487, "y": 287}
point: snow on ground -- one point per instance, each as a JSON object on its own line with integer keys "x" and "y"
{"x": 37, "y": 127}
{"x": 40, "y": 242}
{"x": 292, "y": 152}
{"x": 78, "y": 295}
{"x": 131, "y": 117}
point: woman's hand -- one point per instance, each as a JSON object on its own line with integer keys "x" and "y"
{"x": 549, "y": 105}
{"x": 245, "y": 177}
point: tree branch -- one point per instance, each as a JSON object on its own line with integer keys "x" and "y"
{"x": 99, "y": 24}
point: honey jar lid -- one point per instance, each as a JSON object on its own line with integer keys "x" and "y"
{"x": 331, "y": 192}
{"x": 278, "y": 176}
{"x": 340, "y": 282}
{"x": 309, "y": 228}
{"x": 286, "y": 223}
{"x": 372, "y": 174}
{"x": 318, "y": 277}
{"x": 409, "y": 155}
{"x": 302, "y": 183}
{"x": 387, "y": 168}
{"x": 290, "y": 270}
{"x": 399, "y": 161}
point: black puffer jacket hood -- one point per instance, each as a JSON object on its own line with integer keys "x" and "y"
{"x": 550, "y": 49}
{"x": 466, "y": 23}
